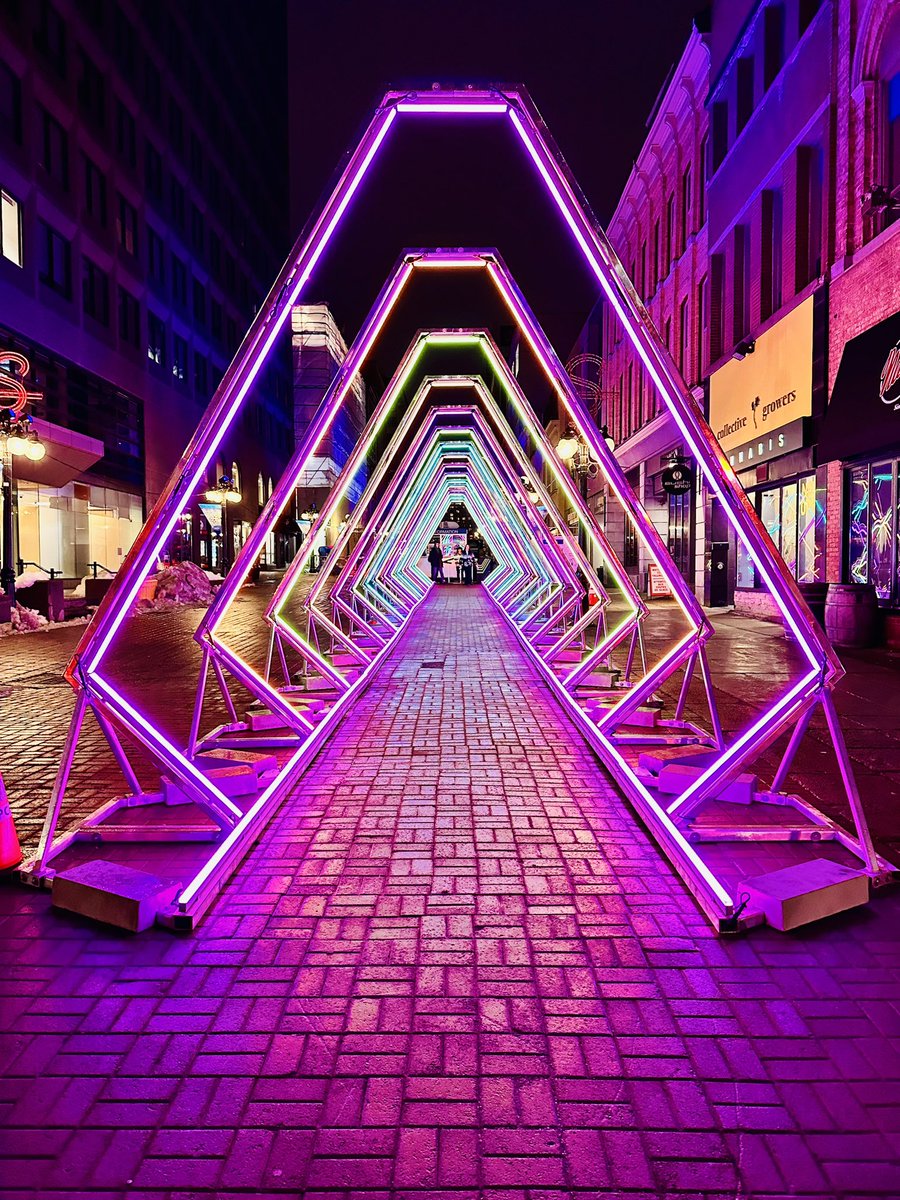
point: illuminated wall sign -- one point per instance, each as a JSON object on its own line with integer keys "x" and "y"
{"x": 770, "y": 389}
{"x": 13, "y": 394}
{"x": 770, "y": 445}
{"x": 889, "y": 384}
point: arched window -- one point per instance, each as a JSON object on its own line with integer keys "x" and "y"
{"x": 270, "y": 485}
{"x": 889, "y": 78}
{"x": 260, "y": 489}
{"x": 236, "y": 476}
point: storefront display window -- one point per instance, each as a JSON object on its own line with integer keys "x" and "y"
{"x": 794, "y": 516}
{"x": 68, "y": 529}
{"x": 872, "y": 528}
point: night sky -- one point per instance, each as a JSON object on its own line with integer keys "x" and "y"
{"x": 593, "y": 69}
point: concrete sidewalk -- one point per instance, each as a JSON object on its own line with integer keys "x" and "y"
{"x": 453, "y": 967}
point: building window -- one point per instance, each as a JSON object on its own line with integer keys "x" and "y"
{"x": 126, "y": 227}
{"x": 700, "y": 327}
{"x": 126, "y": 136}
{"x": 10, "y": 228}
{"x": 92, "y": 92}
{"x": 54, "y": 149}
{"x": 156, "y": 257}
{"x": 684, "y": 344}
{"x": 10, "y": 104}
{"x": 770, "y": 254}
{"x": 50, "y": 38}
{"x": 807, "y": 9}
{"x": 95, "y": 291}
{"x": 179, "y": 358}
{"x": 176, "y": 128}
{"x": 741, "y": 277}
{"x": 55, "y": 263}
{"x": 215, "y": 253}
{"x": 124, "y": 43}
{"x": 719, "y": 133}
{"x": 687, "y": 205}
{"x": 655, "y": 259}
{"x": 702, "y": 163}
{"x": 200, "y": 376}
{"x": 156, "y": 339}
{"x": 177, "y": 196}
{"x": 129, "y": 318}
{"x": 671, "y": 248}
{"x": 197, "y": 230}
{"x": 153, "y": 172}
{"x": 94, "y": 192}
{"x": 716, "y": 306}
{"x": 199, "y": 299}
{"x": 196, "y": 159}
{"x": 744, "y": 93}
{"x": 215, "y": 319}
{"x": 179, "y": 281}
{"x": 773, "y": 43}
{"x": 808, "y": 239}
{"x": 891, "y": 170}
{"x": 152, "y": 88}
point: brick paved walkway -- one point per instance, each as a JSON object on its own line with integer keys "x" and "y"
{"x": 454, "y": 967}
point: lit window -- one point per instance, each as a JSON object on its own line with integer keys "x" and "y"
{"x": 10, "y": 228}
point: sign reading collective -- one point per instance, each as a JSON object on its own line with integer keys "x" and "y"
{"x": 757, "y": 403}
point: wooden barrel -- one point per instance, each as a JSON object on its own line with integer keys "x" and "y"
{"x": 851, "y": 614}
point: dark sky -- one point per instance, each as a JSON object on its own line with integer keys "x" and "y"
{"x": 594, "y": 70}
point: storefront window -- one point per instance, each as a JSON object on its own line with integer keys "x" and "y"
{"x": 794, "y": 516}
{"x": 70, "y": 528}
{"x": 810, "y": 518}
{"x": 858, "y": 556}
{"x": 881, "y": 545}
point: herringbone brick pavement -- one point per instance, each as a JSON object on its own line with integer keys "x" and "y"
{"x": 454, "y": 966}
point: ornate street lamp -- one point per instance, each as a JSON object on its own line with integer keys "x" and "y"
{"x": 223, "y": 494}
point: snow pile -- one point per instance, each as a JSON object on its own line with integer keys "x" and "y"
{"x": 180, "y": 583}
{"x": 24, "y": 620}
{"x": 32, "y": 575}
{"x": 102, "y": 574}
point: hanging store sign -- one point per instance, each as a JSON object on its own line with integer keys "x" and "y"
{"x": 14, "y": 396}
{"x": 677, "y": 478}
{"x": 754, "y": 398}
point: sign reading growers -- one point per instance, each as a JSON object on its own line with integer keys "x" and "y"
{"x": 757, "y": 403}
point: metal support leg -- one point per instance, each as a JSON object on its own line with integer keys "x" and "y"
{"x": 118, "y": 752}
{"x": 284, "y": 666}
{"x": 849, "y": 778}
{"x": 198, "y": 704}
{"x": 629, "y": 661}
{"x": 791, "y": 749}
{"x": 685, "y": 686}
{"x": 60, "y": 782}
{"x": 226, "y": 694}
{"x": 711, "y": 699}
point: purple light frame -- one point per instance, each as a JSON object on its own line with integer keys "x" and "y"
{"x": 516, "y": 107}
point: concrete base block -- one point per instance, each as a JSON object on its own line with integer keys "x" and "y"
{"x": 806, "y": 892}
{"x": 112, "y": 893}
{"x": 676, "y": 777}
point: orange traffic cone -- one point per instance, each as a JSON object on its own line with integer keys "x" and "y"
{"x": 10, "y": 854}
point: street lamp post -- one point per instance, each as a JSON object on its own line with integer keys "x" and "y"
{"x": 17, "y": 439}
{"x": 223, "y": 494}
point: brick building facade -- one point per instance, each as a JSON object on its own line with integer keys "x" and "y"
{"x": 659, "y": 231}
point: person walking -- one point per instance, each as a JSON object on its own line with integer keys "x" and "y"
{"x": 467, "y": 564}
{"x": 436, "y": 562}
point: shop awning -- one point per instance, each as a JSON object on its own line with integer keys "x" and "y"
{"x": 858, "y": 420}
{"x": 68, "y": 454}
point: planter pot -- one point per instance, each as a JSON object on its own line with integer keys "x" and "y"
{"x": 46, "y": 596}
{"x": 95, "y": 590}
{"x": 851, "y": 615}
